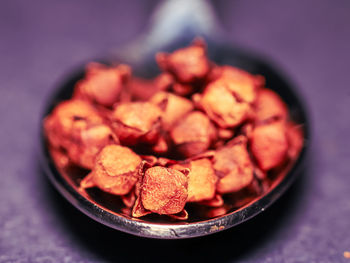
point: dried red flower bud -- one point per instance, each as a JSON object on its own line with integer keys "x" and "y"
{"x": 201, "y": 179}
{"x": 103, "y": 85}
{"x": 243, "y": 84}
{"x": 136, "y": 122}
{"x": 194, "y": 134}
{"x": 216, "y": 201}
{"x": 295, "y": 140}
{"x": 269, "y": 106}
{"x": 144, "y": 89}
{"x": 76, "y": 127}
{"x": 269, "y": 144}
{"x": 59, "y": 157}
{"x": 116, "y": 170}
{"x": 188, "y": 64}
{"x": 68, "y": 117}
{"x": 162, "y": 191}
{"x": 221, "y": 104}
{"x": 175, "y": 109}
{"x": 247, "y": 129}
{"x": 225, "y": 133}
{"x": 88, "y": 143}
{"x": 161, "y": 146}
{"x": 233, "y": 166}
{"x": 129, "y": 201}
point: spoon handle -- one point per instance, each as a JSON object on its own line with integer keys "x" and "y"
{"x": 174, "y": 21}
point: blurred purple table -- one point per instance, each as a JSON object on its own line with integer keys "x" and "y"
{"x": 40, "y": 41}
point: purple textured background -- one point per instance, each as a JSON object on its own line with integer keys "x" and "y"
{"x": 40, "y": 41}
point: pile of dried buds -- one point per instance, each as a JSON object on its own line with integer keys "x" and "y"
{"x": 198, "y": 136}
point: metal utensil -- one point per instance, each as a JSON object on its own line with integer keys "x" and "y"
{"x": 175, "y": 24}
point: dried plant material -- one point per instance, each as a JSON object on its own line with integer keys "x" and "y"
{"x": 225, "y": 133}
{"x": 269, "y": 106}
{"x": 295, "y": 140}
{"x": 269, "y": 144}
{"x": 88, "y": 143}
{"x": 193, "y": 134}
{"x": 233, "y": 166}
{"x": 77, "y": 128}
{"x": 188, "y": 64}
{"x": 161, "y": 146}
{"x": 129, "y": 199}
{"x": 102, "y": 84}
{"x": 68, "y": 116}
{"x": 215, "y": 212}
{"x": 221, "y": 105}
{"x": 243, "y": 84}
{"x": 115, "y": 170}
{"x": 247, "y": 129}
{"x": 144, "y": 89}
{"x": 201, "y": 179}
{"x": 162, "y": 191}
{"x": 217, "y": 201}
{"x": 209, "y": 136}
{"x": 136, "y": 122}
{"x": 175, "y": 109}
{"x": 59, "y": 157}
{"x": 183, "y": 215}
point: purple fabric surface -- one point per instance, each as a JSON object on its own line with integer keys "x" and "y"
{"x": 40, "y": 41}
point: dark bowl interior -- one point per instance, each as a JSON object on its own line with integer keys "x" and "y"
{"x": 107, "y": 209}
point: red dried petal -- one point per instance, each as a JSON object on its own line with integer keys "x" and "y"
{"x": 233, "y": 166}
{"x": 164, "y": 190}
{"x": 295, "y": 140}
{"x": 269, "y": 144}
{"x": 269, "y": 106}
{"x": 222, "y": 106}
{"x": 135, "y": 122}
{"x": 194, "y": 134}
{"x": 88, "y": 143}
{"x": 115, "y": 170}
{"x": 103, "y": 85}
{"x": 188, "y": 64}
{"x": 201, "y": 179}
{"x": 175, "y": 109}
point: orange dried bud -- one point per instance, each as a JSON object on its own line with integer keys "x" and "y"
{"x": 69, "y": 115}
{"x": 295, "y": 140}
{"x": 201, "y": 179}
{"x": 161, "y": 145}
{"x": 103, "y": 84}
{"x": 233, "y": 166}
{"x": 243, "y": 84}
{"x": 115, "y": 170}
{"x": 143, "y": 89}
{"x": 175, "y": 109}
{"x": 217, "y": 201}
{"x": 269, "y": 106}
{"x": 188, "y": 64}
{"x": 59, "y": 157}
{"x": 76, "y": 127}
{"x": 221, "y": 105}
{"x": 225, "y": 133}
{"x": 194, "y": 134}
{"x": 269, "y": 144}
{"x": 88, "y": 143}
{"x": 164, "y": 190}
{"x": 136, "y": 122}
